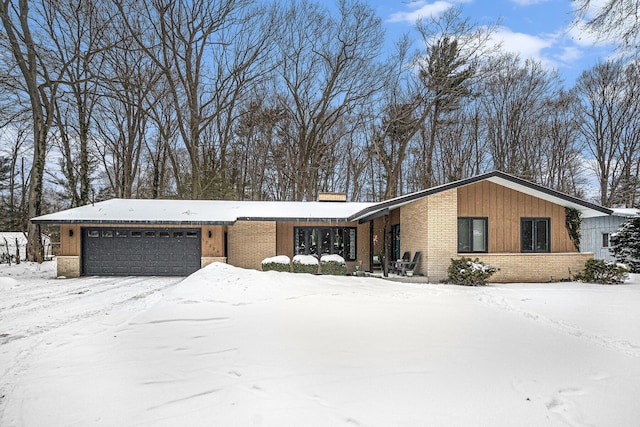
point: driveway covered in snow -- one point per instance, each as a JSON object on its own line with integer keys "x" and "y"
{"x": 228, "y": 346}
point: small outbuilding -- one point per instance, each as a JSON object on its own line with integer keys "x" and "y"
{"x": 597, "y": 231}
{"x": 13, "y": 244}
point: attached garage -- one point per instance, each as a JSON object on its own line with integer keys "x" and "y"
{"x": 140, "y": 251}
{"x": 136, "y": 237}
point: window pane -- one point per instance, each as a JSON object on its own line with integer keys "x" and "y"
{"x": 605, "y": 240}
{"x": 338, "y": 242}
{"x": 107, "y": 233}
{"x": 325, "y": 242}
{"x": 149, "y": 234}
{"x": 479, "y": 237}
{"x": 464, "y": 235}
{"x": 526, "y": 235}
{"x": 120, "y": 233}
{"x": 313, "y": 241}
{"x": 542, "y": 242}
{"x": 352, "y": 244}
{"x": 93, "y": 233}
{"x": 300, "y": 242}
{"x": 136, "y": 234}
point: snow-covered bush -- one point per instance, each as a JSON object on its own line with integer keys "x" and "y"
{"x": 305, "y": 264}
{"x": 333, "y": 264}
{"x": 625, "y": 244}
{"x": 468, "y": 272}
{"x": 606, "y": 273}
{"x": 277, "y": 263}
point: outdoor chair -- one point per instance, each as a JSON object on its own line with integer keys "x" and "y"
{"x": 394, "y": 266}
{"x": 409, "y": 265}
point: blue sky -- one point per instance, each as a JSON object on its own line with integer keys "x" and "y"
{"x": 541, "y": 29}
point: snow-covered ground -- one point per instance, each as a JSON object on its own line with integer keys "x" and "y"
{"x": 228, "y": 346}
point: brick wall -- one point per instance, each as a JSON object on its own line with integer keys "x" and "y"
{"x": 534, "y": 267}
{"x": 68, "y": 266}
{"x": 249, "y": 242}
{"x": 442, "y": 234}
{"x": 430, "y": 225}
{"x": 414, "y": 231}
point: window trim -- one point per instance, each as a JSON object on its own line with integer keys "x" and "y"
{"x": 534, "y": 235}
{"x": 346, "y": 230}
{"x": 486, "y": 234}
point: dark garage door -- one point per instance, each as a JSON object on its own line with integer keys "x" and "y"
{"x": 140, "y": 251}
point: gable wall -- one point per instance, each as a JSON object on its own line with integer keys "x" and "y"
{"x": 504, "y": 207}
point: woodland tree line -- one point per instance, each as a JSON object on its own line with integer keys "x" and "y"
{"x": 241, "y": 99}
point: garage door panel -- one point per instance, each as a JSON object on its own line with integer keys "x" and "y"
{"x": 140, "y": 251}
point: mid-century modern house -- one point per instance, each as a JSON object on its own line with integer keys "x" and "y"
{"x": 597, "y": 231}
{"x": 515, "y": 225}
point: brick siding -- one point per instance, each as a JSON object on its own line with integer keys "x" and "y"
{"x": 68, "y": 266}
{"x": 430, "y": 225}
{"x": 551, "y": 267}
{"x": 249, "y": 242}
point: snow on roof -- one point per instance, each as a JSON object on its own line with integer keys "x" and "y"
{"x": 198, "y": 212}
{"x": 625, "y": 212}
{"x": 210, "y": 212}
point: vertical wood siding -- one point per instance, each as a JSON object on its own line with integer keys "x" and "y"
{"x": 213, "y": 246}
{"x": 504, "y": 207}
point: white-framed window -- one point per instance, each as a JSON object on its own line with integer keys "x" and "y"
{"x": 606, "y": 240}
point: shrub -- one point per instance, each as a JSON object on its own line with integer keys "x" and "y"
{"x": 333, "y": 264}
{"x": 468, "y": 272}
{"x": 277, "y": 263}
{"x": 305, "y": 264}
{"x": 606, "y": 273}
{"x": 625, "y": 244}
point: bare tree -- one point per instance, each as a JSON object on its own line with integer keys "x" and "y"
{"x": 611, "y": 19}
{"x": 454, "y": 48}
{"x": 327, "y": 70}
{"x": 78, "y": 35}
{"x": 609, "y": 97}
{"x": 40, "y": 86}
{"x": 184, "y": 34}
{"x": 514, "y": 104}
{"x": 561, "y": 166}
{"x": 123, "y": 115}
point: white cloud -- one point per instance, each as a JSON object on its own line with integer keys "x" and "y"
{"x": 422, "y": 9}
{"x": 570, "y": 54}
{"x": 525, "y": 45}
{"x": 582, "y": 36}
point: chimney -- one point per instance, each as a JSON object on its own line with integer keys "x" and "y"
{"x": 332, "y": 197}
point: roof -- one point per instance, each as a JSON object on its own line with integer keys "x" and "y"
{"x": 201, "y": 212}
{"x": 224, "y": 212}
{"x": 506, "y": 180}
{"x": 627, "y": 212}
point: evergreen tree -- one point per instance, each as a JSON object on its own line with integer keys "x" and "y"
{"x": 625, "y": 244}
